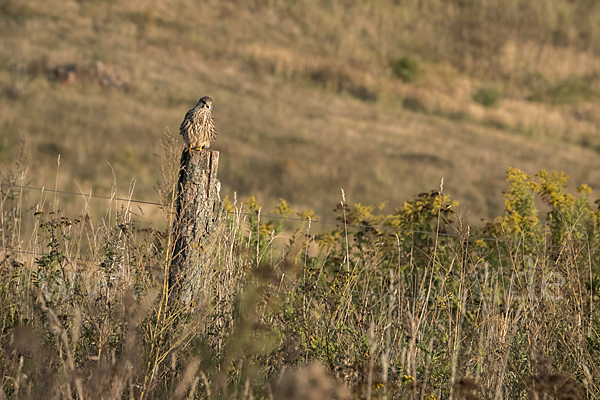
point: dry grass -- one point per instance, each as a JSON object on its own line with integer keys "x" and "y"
{"x": 306, "y": 103}
{"x": 297, "y": 84}
{"x": 414, "y": 305}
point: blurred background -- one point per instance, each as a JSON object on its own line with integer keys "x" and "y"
{"x": 381, "y": 98}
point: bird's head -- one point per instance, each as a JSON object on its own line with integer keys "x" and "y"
{"x": 206, "y": 102}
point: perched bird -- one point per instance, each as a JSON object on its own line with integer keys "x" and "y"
{"x": 198, "y": 126}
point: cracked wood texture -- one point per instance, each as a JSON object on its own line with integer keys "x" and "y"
{"x": 198, "y": 216}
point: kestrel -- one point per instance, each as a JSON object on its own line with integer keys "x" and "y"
{"x": 198, "y": 126}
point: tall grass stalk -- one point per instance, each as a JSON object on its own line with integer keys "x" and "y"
{"x": 414, "y": 304}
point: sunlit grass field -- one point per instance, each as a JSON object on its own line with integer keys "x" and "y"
{"x": 380, "y": 99}
{"x": 419, "y": 252}
{"x": 410, "y": 305}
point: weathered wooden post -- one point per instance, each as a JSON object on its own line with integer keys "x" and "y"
{"x": 198, "y": 215}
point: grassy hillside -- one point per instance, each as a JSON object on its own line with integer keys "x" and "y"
{"x": 416, "y": 300}
{"x": 382, "y": 98}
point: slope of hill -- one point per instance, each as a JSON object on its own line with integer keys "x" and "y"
{"x": 382, "y": 99}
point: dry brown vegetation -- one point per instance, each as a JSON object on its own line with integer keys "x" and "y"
{"x": 381, "y": 98}
{"x": 311, "y": 96}
{"x": 410, "y": 305}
